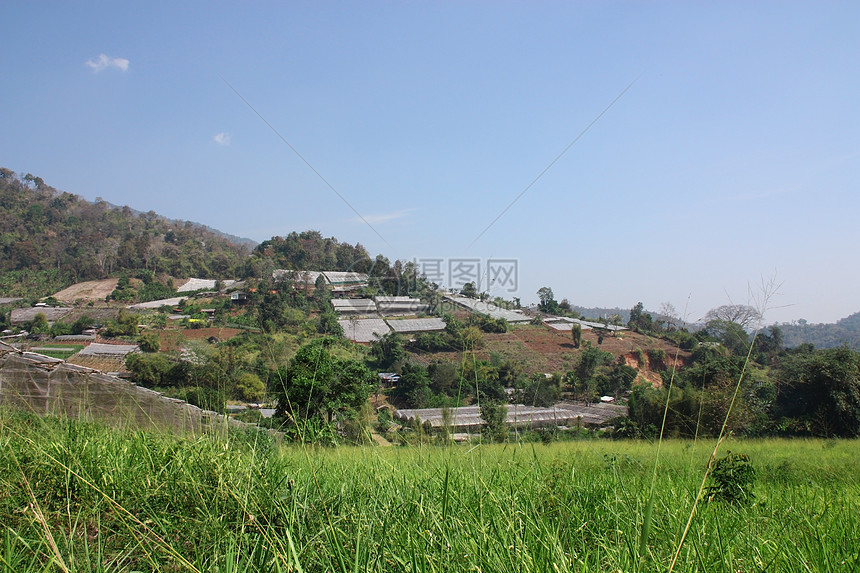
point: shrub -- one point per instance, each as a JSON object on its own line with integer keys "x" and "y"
{"x": 249, "y": 387}
{"x": 732, "y": 480}
{"x": 149, "y": 342}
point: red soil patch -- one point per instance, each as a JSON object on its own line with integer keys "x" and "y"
{"x": 545, "y": 350}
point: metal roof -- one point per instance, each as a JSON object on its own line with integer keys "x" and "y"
{"x": 363, "y": 329}
{"x": 564, "y": 413}
{"x": 488, "y": 308}
{"x": 96, "y": 349}
{"x": 158, "y": 303}
{"x": 52, "y": 313}
{"x": 344, "y": 277}
{"x": 353, "y": 305}
{"x": 198, "y": 284}
{"x": 563, "y": 323}
{"x": 405, "y": 325}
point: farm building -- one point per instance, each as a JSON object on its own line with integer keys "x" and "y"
{"x": 412, "y": 325}
{"x": 488, "y": 309}
{"x": 400, "y": 305}
{"x": 340, "y": 282}
{"x": 363, "y": 329}
{"x": 353, "y": 305}
{"x": 562, "y": 414}
{"x": 199, "y": 284}
{"x": 22, "y": 315}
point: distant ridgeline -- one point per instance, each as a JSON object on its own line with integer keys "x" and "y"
{"x": 845, "y": 331}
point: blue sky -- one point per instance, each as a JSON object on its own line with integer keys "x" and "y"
{"x": 733, "y": 158}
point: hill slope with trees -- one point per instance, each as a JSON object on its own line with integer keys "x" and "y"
{"x": 845, "y": 331}
{"x": 51, "y": 239}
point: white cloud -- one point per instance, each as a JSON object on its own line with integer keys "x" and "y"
{"x": 385, "y": 217}
{"x": 104, "y": 62}
{"x": 222, "y": 138}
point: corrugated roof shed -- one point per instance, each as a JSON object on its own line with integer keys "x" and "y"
{"x": 157, "y": 303}
{"x": 52, "y": 313}
{"x": 302, "y": 277}
{"x": 565, "y": 413}
{"x": 400, "y": 305}
{"x": 353, "y": 305}
{"x": 564, "y": 323}
{"x": 198, "y": 284}
{"x": 363, "y": 329}
{"x": 488, "y": 308}
{"x": 96, "y": 349}
{"x": 336, "y": 278}
{"x": 406, "y": 325}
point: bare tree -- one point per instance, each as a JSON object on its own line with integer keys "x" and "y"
{"x": 670, "y": 315}
{"x": 742, "y": 314}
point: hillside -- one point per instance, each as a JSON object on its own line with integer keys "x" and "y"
{"x": 844, "y": 331}
{"x": 51, "y": 239}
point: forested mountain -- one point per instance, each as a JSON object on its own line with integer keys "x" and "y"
{"x": 844, "y": 331}
{"x": 50, "y": 239}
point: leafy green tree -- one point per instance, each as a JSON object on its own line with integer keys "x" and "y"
{"x": 730, "y": 334}
{"x": 387, "y": 352}
{"x": 249, "y": 387}
{"x": 640, "y": 320}
{"x": 820, "y": 391}
{"x": 547, "y": 302}
{"x": 469, "y": 290}
{"x": 148, "y": 370}
{"x": 149, "y": 342}
{"x": 542, "y": 391}
{"x": 413, "y": 388}
{"x": 39, "y": 324}
{"x": 576, "y": 333}
{"x": 494, "y": 413}
{"x": 321, "y": 385}
{"x": 329, "y": 325}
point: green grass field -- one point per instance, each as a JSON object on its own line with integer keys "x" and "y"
{"x": 62, "y": 352}
{"x": 80, "y": 497}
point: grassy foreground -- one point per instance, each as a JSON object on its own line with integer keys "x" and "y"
{"x": 81, "y": 497}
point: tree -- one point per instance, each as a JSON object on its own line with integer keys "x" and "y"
{"x": 820, "y": 391}
{"x": 469, "y": 290}
{"x": 576, "y": 333}
{"x": 495, "y": 414}
{"x": 321, "y": 386}
{"x": 547, "y": 302}
{"x": 730, "y": 334}
{"x": 743, "y": 314}
{"x": 640, "y": 320}
{"x": 149, "y": 342}
{"x": 249, "y": 387}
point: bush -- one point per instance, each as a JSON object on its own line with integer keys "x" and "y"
{"x": 149, "y": 342}
{"x": 732, "y": 480}
{"x": 249, "y": 387}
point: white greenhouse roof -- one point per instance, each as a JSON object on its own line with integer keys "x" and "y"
{"x": 406, "y": 325}
{"x": 199, "y": 284}
{"x": 564, "y": 413}
{"x": 96, "y": 349}
{"x": 363, "y": 329}
{"x": 158, "y": 303}
{"x": 353, "y": 305}
{"x": 488, "y": 308}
